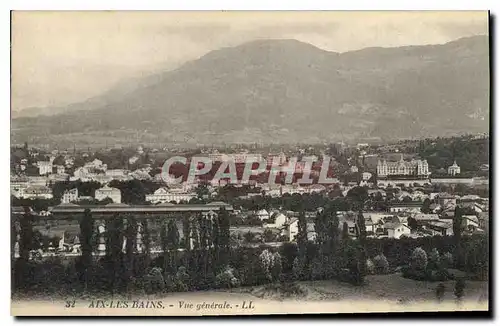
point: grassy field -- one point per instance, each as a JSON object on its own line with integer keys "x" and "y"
{"x": 382, "y": 293}
{"x": 392, "y": 287}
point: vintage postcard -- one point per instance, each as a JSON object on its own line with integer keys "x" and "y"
{"x": 234, "y": 163}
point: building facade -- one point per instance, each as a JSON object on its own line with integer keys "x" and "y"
{"x": 70, "y": 196}
{"x": 108, "y": 192}
{"x": 454, "y": 169}
{"x": 164, "y": 195}
{"x": 44, "y": 167}
{"x": 408, "y": 168}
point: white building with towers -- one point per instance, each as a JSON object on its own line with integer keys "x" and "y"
{"x": 418, "y": 168}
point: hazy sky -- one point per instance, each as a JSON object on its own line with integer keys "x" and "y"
{"x": 64, "y": 57}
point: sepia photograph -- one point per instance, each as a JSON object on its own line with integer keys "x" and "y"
{"x": 228, "y": 163}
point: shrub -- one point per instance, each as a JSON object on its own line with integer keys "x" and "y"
{"x": 297, "y": 269}
{"x": 370, "y": 266}
{"x": 440, "y": 290}
{"x": 227, "y": 278}
{"x": 269, "y": 236}
{"x": 277, "y": 266}
{"x": 266, "y": 263}
{"x": 446, "y": 260}
{"x": 292, "y": 290}
{"x": 182, "y": 279}
{"x": 249, "y": 237}
{"x": 170, "y": 284}
{"x": 153, "y": 281}
{"x": 381, "y": 264}
{"x": 418, "y": 261}
{"x": 459, "y": 288}
{"x": 317, "y": 269}
{"x": 434, "y": 259}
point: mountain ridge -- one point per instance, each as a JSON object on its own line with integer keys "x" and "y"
{"x": 273, "y": 90}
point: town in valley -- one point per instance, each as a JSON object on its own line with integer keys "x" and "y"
{"x": 176, "y": 163}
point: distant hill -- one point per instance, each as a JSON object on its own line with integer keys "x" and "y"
{"x": 285, "y": 91}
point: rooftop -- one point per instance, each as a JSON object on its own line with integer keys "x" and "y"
{"x": 123, "y": 208}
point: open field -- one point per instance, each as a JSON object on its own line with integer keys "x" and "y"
{"x": 382, "y": 293}
{"x": 392, "y": 287}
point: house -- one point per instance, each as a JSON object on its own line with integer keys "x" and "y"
{"x": 272, "y": 190}
{"x": 351, "y": 227}
{"x": 396, "y": 229}
{"x": 140, "y": 174}
{"x": 292, "y": 189}
{"x": 37, "y": 192}
{"x": 118, "y": 174}
{"x": 403, "y": 194}
{"x": 69, "y": 162}
{"x": 164, "y": 195}
{"x": 160, "y": 195}
{"x": 484, "y": 220}
{"x": 413, "y": 206}
{"x": 20, "y": 210}
{"x": 18, "y": 185}
{"x": 81, "y": 173}
{"x": 58, "y": 177}
{"x": 279, "y": 220}
{"x": 292, "y": 230}
{"x": 263, "y": 215}
{"x": 418, "y": 195}
{"x": 469, "y": 198}
{"x": 448, "y": 214}
{"x": 60, "y": 169}
{"x": 18, "y": 193}
{"x": 375, "y": 192}
{"x": 85, "y": 198}
{"x": 38, "y": 180}
{"x": 108, "y": 192}
{"x": 44, "y": 167}
{"x": 445, "y": 200}
{"x": 473, "y": 205}
{"x": 470, "y": 223}
{"x": 369, "y": 226}
{"x": 444, "y": 228}
{"x": 101, "y": 178}
{"x": 95, "y": 165}
{"x": 133, "y": 160}
{"x": 316, "y": 188}
{"x": 70, "y": 196}
{"x": 421, "y": 217}
{"x": 376, "y": 216}
{"x": 351, "y": 217}
{"x": 366, "y": 176}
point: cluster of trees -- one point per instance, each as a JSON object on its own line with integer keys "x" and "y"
{"x": 87, "y": 188}
{"x": 297, "y": 202}
{"x": 134, "y": 191}
{"x": 470, "y": 153}
{"x": 429, "y": 267}
{"x": 212, "y": 261}
{"x": 207, "y": 253}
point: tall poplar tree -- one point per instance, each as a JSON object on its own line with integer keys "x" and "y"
{"x": 86, "y": 242}
{"x": 302, "y": 241}
{"x": 172, "y": 243}
{"x": 130, "y": 247}
{"x": 146, "y": 240}
{"x": 361, "y": 232}
{"x": 224, "y": 236}
{"x": 457, "y": 234}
